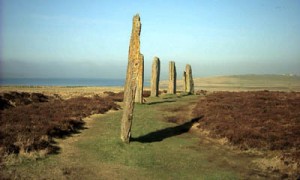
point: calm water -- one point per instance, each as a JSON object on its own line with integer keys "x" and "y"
{"x": 64, "y": 82}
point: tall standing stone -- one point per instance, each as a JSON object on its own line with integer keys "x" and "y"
{"x": 189, "y": 79}
{"x": 134, "y": 57}
{"x": 184, "y": 81}
{"x": 172, "y": 78}
{"x": 140, "y": 81}
{"x": 155, "y": 77}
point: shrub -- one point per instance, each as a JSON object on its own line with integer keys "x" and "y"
{"x": 264, "y": 120}
{"x": 31, "y": 127}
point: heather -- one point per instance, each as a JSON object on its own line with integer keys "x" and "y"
{"x": 263, "y": 120}
{"x": 30, "y": 121}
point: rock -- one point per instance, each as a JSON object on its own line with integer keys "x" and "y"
{"x": 155, "y": 77}
{"x": 172, "y": 78}
{"x": 184, "y": 81}
{"x": 189, "y": 80}
{"x": 134, "y": 57}
{"x": 140, "y": 81}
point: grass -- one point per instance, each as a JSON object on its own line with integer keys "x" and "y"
{"x": 98, "y": 153}
{"x": 64, "y": 92}
{"x": 147, "y": 158}
{"x": 243, "y": 83}
{"x": 31, "y": 126}
{"x": 168, "y": 159}
{"x": 263, "y": 120}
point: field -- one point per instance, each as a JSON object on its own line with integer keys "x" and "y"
{"x": 261, "y": 120}
{"x": 212, "y": 135}
{"x": 30, "y": 121}
{"x": 62, "y": 92}
{"x": 244, "y": 83}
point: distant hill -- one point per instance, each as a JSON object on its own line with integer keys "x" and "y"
{"x": 243, "y": 83}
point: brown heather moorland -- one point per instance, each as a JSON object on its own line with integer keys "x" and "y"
{"x": 261, "y": 120}
{"x": 30, "y": 121}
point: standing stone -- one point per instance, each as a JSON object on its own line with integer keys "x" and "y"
{"x": 172, "y": 78}
{"x": 134, "y": 57}
{"x": 189, "y": 79}
{"x": 155, "y": 77}
{"x": 140, "y": 81}
{"x": 184, "y": 81}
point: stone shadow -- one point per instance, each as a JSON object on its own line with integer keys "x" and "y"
{"x": 160, "y": 102}
{"x": 162, "y": 134}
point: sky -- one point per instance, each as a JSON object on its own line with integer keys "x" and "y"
{"x": 90, "y": 38}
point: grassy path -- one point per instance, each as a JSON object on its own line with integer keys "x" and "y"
{"x": 160, "y": 150}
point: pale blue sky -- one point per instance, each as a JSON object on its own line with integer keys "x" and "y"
{"x": 90, "y": 38}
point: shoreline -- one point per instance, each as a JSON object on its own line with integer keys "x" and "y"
{"x": 211, "y": 84}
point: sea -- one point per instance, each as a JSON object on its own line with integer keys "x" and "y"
{"x": 64, "y": 82}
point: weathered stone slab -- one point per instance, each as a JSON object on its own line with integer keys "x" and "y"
{"x": 155, "y": 77}
{"x": 172, "y": 78}
{"x": 134, "y": 57}
{"x": 189, "y": 79}
{"x": 184, "y": 81}
{"x": 140, "y": 81}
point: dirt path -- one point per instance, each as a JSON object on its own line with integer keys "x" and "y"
{"x": 159, "y": 150}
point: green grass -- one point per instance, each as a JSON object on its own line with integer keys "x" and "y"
{"x": 98, "y": 153}
{"x": 169, "y": 158}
